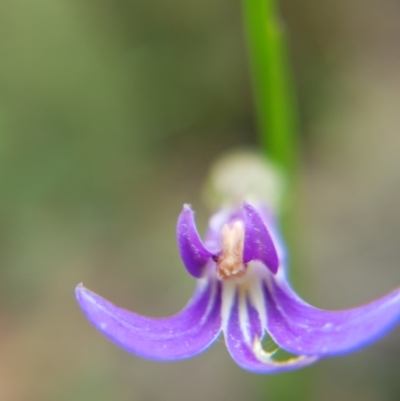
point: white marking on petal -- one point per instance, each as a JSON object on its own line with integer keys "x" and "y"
{"x": 280, "y": 276}
{"x": 257, "y": 299}
{"x": 266, "y": 357}
{"x": 250, "y": 285}
{"x": 228, "y": 299}
{"x": 244, "y": 316}
{"x": 254, "y": 279}
{"x": 260, "y": 353}
{"x": 202, "y": 283}
{"x": 212, "y": 299}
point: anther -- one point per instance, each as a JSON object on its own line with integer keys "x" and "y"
{"x": 230, "y": 260}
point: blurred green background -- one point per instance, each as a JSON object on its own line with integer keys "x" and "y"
{"x": 110, "y": 114}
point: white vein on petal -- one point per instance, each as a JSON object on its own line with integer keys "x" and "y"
{"x": 212, "y": 297}
{"x": 244, "y": 316}
{"x": 228, "y": 298}
{"x": 256, "y": 296}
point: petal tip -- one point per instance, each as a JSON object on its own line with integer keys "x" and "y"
{"x": 187, "y": 207}
{"x": 192, "y": 250}
{"x": 258, "y": 242}
{"x": 301, "y": 328}
{"x": 247, "y": 206}
{"x": 84, "y": 297}
{"x": 79, "y": 289}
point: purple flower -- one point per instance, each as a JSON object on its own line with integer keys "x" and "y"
{"x": 242, "y": 291}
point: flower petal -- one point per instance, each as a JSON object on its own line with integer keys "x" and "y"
{"x": 300, "y": 328}
{"x": 272, "y": 224}
{"x": 181, "y": 336}
{"x": 193, "y": 253}
{"x": 258, "y": 244}
{"x": 243, "y": 336}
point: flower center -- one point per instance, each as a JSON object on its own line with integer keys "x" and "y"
{"x": 230, "y": 259}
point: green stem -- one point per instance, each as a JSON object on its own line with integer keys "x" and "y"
{"x": 278, "y": 126}
{"x": 273, "y": 90}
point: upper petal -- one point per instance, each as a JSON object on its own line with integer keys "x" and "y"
{"x": 271, "y": 222}
{"x": 300, "y": 328}
{"x": 181, "y": 336}
{"x": 193, "y": 253}
{"x": 258, "y": 244}
{"x": 243, "y": 336}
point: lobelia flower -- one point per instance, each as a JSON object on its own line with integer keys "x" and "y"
{"x": 243, "y": 292}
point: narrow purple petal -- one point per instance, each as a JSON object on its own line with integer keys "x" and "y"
{"x": 193, "y": 253}
{"x": 181, "y": 336}
{"x": 258, "y": 244}
{"x": 271, "y": 222}
{"x": 300, "y": 328}
{"x": 243, "y": 340}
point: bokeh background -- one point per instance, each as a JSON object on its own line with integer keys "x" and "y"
{"x": 111, "y": 112}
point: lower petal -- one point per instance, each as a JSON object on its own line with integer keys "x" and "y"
{"x": 181, "y": 336}
{"x": 243, "y": 336}
{"x": 300, "y": 328}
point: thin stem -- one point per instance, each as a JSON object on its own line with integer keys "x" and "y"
{"x": 273, "y": 90}
{"x": 278, "y": 127}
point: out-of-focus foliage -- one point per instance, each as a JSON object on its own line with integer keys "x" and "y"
{"x": 111, "y": 112}
{"x": 95, "y": 98}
